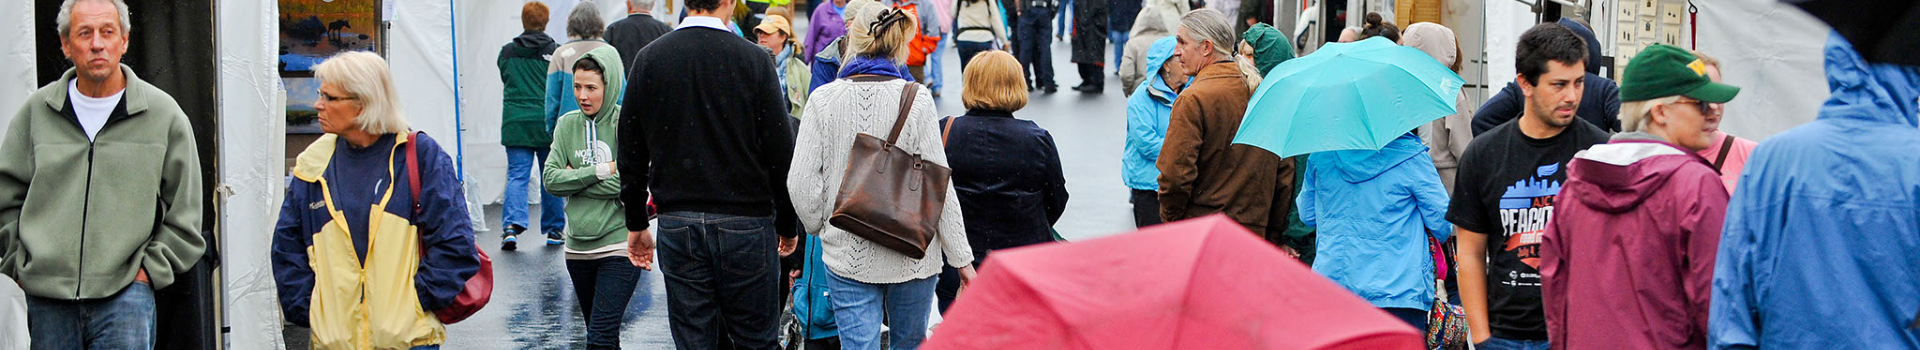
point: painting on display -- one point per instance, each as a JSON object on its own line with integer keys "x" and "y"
{"x": 310, "y": 32}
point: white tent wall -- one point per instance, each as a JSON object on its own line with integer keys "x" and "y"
{"x": 1505, "y": 20}
{"x": 252, "y": 168}
{"x": 16, "y": 60}
{"x": 483, "y": 28}
{"x": 1780, "y": 66}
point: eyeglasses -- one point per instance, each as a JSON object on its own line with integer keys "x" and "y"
{"x": 325, "y": 97}
{"x": 1706, "y": 108}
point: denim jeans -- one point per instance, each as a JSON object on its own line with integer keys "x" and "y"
{"x": 1062, "y": 20}
{"x": 861, "y": 307}
{"x": 970, "y": 48}
{"x": 122, "y": 321}
{"x": 1119, "y": 39}
{"x": 603, "y": 287}
{"x": 1035, "y": 47}
{"x": 1496, "y": 343}
{"x": 723, "y": 279}
{"x": 522, "y": 162}
{"x": 933, "y": 62}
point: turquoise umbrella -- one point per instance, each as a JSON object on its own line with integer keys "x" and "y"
{"x": 1344, "y": 96}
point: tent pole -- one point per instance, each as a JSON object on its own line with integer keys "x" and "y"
{"x": 459, "y": 129}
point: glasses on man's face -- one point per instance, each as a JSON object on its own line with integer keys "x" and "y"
{"x": 325, "y": 97}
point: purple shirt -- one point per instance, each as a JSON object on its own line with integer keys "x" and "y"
{"x": 825, "y": 26}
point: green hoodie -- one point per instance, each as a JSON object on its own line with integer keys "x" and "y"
{"x": 79, "y": 218}
{"x": 595, "y": 216}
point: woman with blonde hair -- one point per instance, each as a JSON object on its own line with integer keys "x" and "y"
{"x": 1006, "y": 169}
{"x": 361, "y": 254}
{"x": 869, "y": 284}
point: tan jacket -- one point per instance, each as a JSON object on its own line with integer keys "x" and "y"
{"x": 1201, "y": 170}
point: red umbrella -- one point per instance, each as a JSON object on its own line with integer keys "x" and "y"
{"x": 1205, "y": 283}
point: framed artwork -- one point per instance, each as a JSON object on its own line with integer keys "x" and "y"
{"x": 310, "y": 32}
{"x": 1671, "y": 13}
{"x": 1628, "y": 10}
{"x": 1625, "y": 39}
{"x": 1647, "y": 7}
{"x": 1671, "y": 36}
{"x": 1647, "y": 30}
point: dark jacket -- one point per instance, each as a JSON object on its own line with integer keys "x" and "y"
{"x": 1600, "y": 106}
{"x": 705, "y": 129}
{"x": 523, "y": 69}
{"x": 1123, "y": 14}
{"x": 1627, "y": 260}
{"x": 631, "y": 34}
{"x": 1090, "y": 31}
{"x": 826, "y": 64}
{"x": 1007, "y": 173}
{"x": 1259, "y": 10}
{"x": 1202, "y": 171}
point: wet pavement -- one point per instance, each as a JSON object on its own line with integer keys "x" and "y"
{"x": 533, "y": 303}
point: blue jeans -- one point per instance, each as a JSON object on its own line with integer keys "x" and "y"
{"x": 860, "y": 307}
{"x": 1061, "y": 20}
{"x": 970, "y": 48}
{"x": 933, "y": 62}
{"x": 1119, "y": 39}
{"x": 122, "y": 321}
{"x": 603, "y": 287}
{"x": 1497, "y": 343}
{"x": 723, "y": 280}
{"x": 522, "y": 162}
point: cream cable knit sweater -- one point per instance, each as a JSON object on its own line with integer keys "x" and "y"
{"x": 835, "y": 113}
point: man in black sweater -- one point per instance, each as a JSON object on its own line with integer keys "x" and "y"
{"x": 636, "y": 31}
{"x": 706, "y": 129}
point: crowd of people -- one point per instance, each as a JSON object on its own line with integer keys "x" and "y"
{"x": 1569, "y": 211}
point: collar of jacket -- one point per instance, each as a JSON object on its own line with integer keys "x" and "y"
{"x": 135, "y": 98}
{"x": 311, "y": 164}
{"x": 1219, "y": 70}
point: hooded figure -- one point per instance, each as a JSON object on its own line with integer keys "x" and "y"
{"x": 581, "y": 168}
{"x": 1148, "y": 28}
{"x": 1270, "y": 49}
{"x": 1599, "y": 105}
{"x": 1148, "y": 111}
{"x": 1373, "y": 211}
{"x": 1821, "y": 247}
{"x": 1448, "y": 136}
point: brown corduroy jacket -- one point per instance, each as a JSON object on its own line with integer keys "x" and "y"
{"x": 1202, "y": 172}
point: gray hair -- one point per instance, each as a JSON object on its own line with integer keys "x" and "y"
{"x": 64, "y": 21}
{"x": 585, "y": 22}
{"x": 1636, "y": 115}
{"x": 1211, "y": 25}
{"x": 639, "y": 5}
{"x": 364, "y": 76}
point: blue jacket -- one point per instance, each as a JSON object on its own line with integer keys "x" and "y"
{"x": 1374, "y": 211}
{"x": 811, "y": 305}
{"x": 1148, "y": 111}
{"x": 826, "y": 65}
{"x": 1822, "y": 248}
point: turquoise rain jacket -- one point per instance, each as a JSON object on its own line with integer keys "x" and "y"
{"x": 1373, "y": 211}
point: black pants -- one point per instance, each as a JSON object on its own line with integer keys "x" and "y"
{"x": 1146, "y": 208}
{"x": 1090, "y": 76}
{"x": 1036, "y": 46}
{"x": 948, "y": 288}
{"x": 603, "y": 287}
{"x": 968, "y": 49}
{"x": 723, "y": 279}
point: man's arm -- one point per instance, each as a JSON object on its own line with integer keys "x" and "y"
{"x": 1502, "y": 107}
{"x": 633, "y": 160}
{"x": 176, "y": 244}
{"x": 1179, "y": 158}
{"x": 776, "y": 146}
{"x": 16, "y": 169}
{"x": 1472, "y": 259}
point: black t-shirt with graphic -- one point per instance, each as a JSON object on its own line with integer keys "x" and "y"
{"x": 1507, "y": 183}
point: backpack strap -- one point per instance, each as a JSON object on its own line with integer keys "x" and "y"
{"x": 413, "y": 170}
{"x": 1726, "y": 145}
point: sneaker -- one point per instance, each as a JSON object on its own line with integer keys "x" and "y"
{"x": 509, "y": 242}
{"x": 553, "y": 238}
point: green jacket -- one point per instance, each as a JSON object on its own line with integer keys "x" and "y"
{"x": 79, "y": 218}
{"x": 595, "y": 216}
{"x": 523, "y": 69}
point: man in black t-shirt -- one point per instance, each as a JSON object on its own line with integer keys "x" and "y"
{"x": 1508, "y": 179}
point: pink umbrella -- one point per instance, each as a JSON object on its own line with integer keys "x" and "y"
{"x": 1205, "y": 283}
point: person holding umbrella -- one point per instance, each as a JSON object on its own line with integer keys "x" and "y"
{"x": 1201, "y": 171}
{"x": 1645, "y": 213}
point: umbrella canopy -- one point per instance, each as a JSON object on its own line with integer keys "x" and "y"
{"x": 1357, "y": 95}
{"x": 1881, "y": 29}
{"x": 1205, "y": 283}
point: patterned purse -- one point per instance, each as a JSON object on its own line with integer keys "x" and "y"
{"x": 1446, "y": 323}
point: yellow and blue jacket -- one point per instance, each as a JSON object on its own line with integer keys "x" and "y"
{"x": 369, "y": 275}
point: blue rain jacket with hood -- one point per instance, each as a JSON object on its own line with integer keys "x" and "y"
{"x": 1149, "y": 110}
{"x": 1822, "y": 242}
{"x": 1373, "y": 211}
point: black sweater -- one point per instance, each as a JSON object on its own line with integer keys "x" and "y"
{"x": 705, "y": 126}
{"x": 633, "y": 33}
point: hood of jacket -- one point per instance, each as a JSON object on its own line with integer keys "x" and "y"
{"x": 1361, "y": 165}
{"x": 1874, "y": 92}
{"x": 1157, "y": 56}
{"x": 1626, "y": 172}
{"x": 1150, "y": 23}
{"x": 1593, "y": 43}
{"x": 615, "y": 77}
{"x": 533, "y": 39}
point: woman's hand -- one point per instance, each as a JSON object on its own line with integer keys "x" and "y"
{"x": 966, "y": 276}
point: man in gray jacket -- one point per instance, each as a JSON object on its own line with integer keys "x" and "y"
{"x": 99, "y": 192}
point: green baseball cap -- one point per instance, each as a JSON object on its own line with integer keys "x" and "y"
{"x": 1663, "y": 70}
